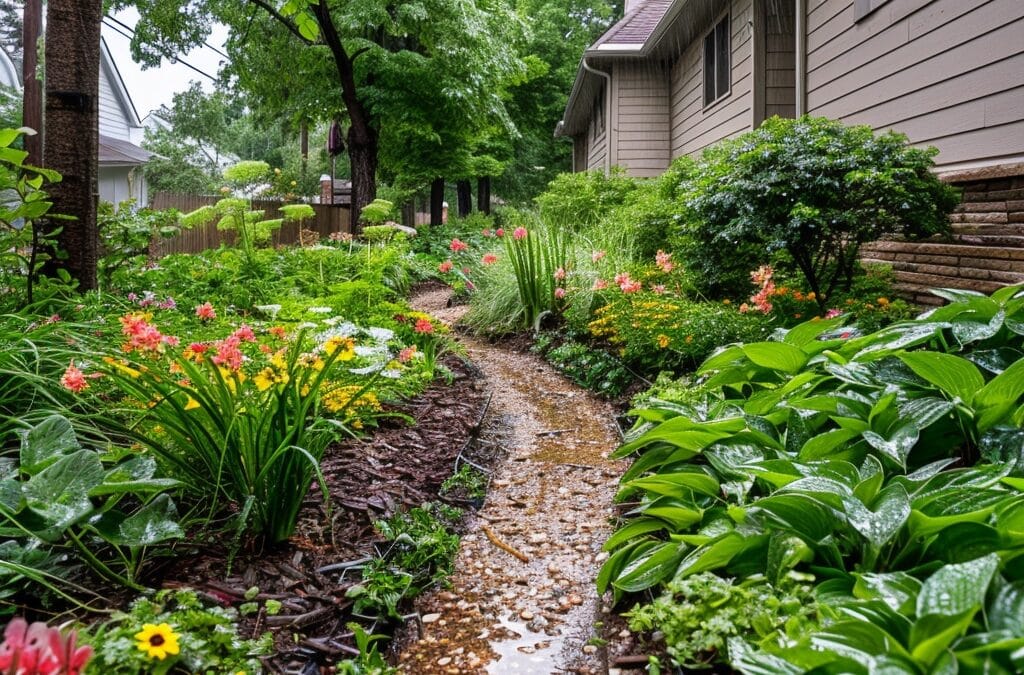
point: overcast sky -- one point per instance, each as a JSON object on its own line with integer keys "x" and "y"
{"x": 152, "y": 88}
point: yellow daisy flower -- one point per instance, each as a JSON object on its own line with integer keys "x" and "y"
{"x": 157, "y": 640}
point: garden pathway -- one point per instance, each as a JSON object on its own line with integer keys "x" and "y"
{"x": 522, "y": 598}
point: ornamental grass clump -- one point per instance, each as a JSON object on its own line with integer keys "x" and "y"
{"x": 537, "y": 254}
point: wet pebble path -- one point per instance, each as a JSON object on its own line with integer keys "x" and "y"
{"x": 522, "y": 598}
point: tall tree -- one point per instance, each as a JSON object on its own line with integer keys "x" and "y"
{"x": 72, "y": 131}
{"x": 369, "y": 52}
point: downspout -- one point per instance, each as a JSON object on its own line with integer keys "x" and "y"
{"x": 801, "y": 57}
{"x": 607, "y": 114}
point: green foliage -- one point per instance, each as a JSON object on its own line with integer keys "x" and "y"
{"x": 467, "y": 481}
{"x": 101, "y": 508}
{"x": 126, "y": 234}
{"x": 207, "y": 636}
{"x": 370, "y": 661}
{"x": 588, "y": 367}
{"x": 23, "y": 204}
{"x": 810, "y": 187}
{"x": 297, "y": 213}
{"x": 377, "y": 212}
{"x": 699, "y": 614}
{"x": 536, "y": 254}
{"x": 855, "y": 457}
{"x": 247, "y": 174}
{"x": 577, "y": 201}
{"x": 421, "y": 554}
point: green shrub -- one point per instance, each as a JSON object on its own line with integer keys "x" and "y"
{"x": 576, "y": 201}
{"x": 813, "y": 188}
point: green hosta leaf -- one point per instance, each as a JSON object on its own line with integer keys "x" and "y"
{"x": 894, "y": 338}
{"x": 924, "y": 412}
{"x": 954, "y": 375}
{"x": 898, "y": 446}
{"x": 678, "y": 514}
{"x": 898, "y": 590}
{"x": 618, "y": 560}
{"x": 932, "y": 635}
{"x": 1003, "y": 445}
{"x": 784, "y": 553}
{"x": 59, "y": 493}
{"x": 153, "y": 523}
{"x": 972, "y": 331}
{"x": 1006, "y": 611}
{"x": 652, "y": 567}
{"x": 135, "y": 487}
{"x": 995, "y": 360}
{"x": 888, "y": 514}
{"x": 922, "y": 526}
{"x": 964, "y": 541}
{"x": 677, "y": 484}
{"x": 776, "y": 356}
{"x": 990, "y": 653}
{"x": 956, "y": 589}
{"x": 721, "y": 359}
{"x": 684, "y": 434}
{"x": 826, "y": 445}
{"x": 999, "y": 397}
{"x": 46, "y": 442}
{"x": 717, "y": 554}
{"x": 635, "y": 528}
{"x": 960, "y": 299}
{"x": 860, "y": 641}
{"x": 808, "y": 332}
{"x": 11, "y": 498}
{"x": 803, "y": 515}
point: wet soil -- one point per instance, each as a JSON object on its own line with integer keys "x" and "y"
{"x": 522, "y": 598}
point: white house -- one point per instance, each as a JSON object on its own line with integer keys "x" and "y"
{"x": 121, "y": 159}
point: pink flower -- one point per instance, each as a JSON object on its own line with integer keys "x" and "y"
{"x": 597, "y": 255}
{"x": 132, "y": 297}
{"x": 599, "y": 285}
{"x": 832, "y": 313}
{"x": 457, "y": 246}
{"x": 488, "y": 232}
{"x": 445, "y": 267}
{"x": 466, "y": 271}
{"x": 53, "y": 318}
{"x": 40, "y": 650}
{"x": 762, "y": 274}
{"x": 171, "y": 341}
{"x": 744, "y": 308}
{"x": 407, "y": 354}
{"x": 500, "y": 232}
{"x": 631, "y": 287}
{"x": 423, "y": 326}
{"x": 228, "y": 354}
{"x": 559, "y": 293}
{"x": 489, "y": 259}
{"x": 658, "y": 289}
{"x": 73, "y": 379}
{"x": 169, "y": 303}
{"x": 560, "y": 274}
{"x": 664, "y": 261}
{"x": 205, "y": 312}
{"x": 519, "y": 233}
{"x": 245, "y": 334}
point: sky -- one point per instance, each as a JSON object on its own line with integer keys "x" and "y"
{"x": 152, "y": 88}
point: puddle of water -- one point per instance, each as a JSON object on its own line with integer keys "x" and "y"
{"x": 529, "y": 653}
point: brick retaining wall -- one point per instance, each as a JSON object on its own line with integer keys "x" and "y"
{"x": 986, "y": 250}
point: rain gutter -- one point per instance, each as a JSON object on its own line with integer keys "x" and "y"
{"x": 801, "y": 57}
{"x": 607, "y": 115}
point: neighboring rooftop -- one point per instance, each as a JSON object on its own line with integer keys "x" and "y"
{"x": 633, "y": 30}
{"x": 115, "y": 152}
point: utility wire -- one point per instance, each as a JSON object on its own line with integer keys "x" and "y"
{"x": 172, "y": 58}
{"x": 129, "y": 28}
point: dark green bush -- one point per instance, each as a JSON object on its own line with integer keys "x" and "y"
{"x": 813, "y": 188}
{"x": 579, "y": 200}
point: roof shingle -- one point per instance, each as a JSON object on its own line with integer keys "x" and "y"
{"x": 634, "y": 29}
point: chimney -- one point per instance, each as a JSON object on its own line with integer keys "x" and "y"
{"x": 326, "y": 190}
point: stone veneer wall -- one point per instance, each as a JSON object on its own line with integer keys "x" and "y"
{"x": 986, "y": 250}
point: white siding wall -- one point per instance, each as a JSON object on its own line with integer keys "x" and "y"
{"x": 694, "y": 127}
{"x": 120, "y": 183}
{"x": 640, "y": 118}
{"x": 113, "y": 121}
{"x": 948, "y": 73}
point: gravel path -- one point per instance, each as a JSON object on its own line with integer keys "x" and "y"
{"x": 522, "y": 599}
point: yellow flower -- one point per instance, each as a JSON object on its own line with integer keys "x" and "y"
{"x": 883, "y": 301}
{"x": 663, "y": 340}
{"x": 157, "y": 640}
{"x": 278, "y": 360}
{"x": 346, "y": 344}
{"x": 120, "y": 365}
{"x": 192, "y": 404}
{"x": 727, "y": 301}
{"x": 812, "y": 296}
{"x": 264, "y": 379}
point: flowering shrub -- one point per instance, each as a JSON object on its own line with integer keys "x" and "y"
{"x": 38, "y": 649}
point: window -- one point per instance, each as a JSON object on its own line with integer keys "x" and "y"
{"x": 598, "y": 116}
{"x": 717, "y": 67}
{"x": 861, "y": 8}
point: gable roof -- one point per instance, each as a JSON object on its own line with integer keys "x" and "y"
{"x": 115, "y": 152}
{"x": 124, "y": 100}
{"x": 633, "y": 31}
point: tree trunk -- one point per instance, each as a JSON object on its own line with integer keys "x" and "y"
{"x": 72, "y": 138}
{"x": 362, "y": 153}
{"x": 465, "y": 193}
{"x": 304, "y": 147}
{"x": 409, "y": 213}
{"x": 483, "y": 194}
{"x": 436, "y": 202}
{"x": 32, "y": 102}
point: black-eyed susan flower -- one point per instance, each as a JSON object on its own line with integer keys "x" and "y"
{"x": 157, "y": 640}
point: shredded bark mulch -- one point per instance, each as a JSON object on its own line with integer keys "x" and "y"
{"x": 399, "y": 466}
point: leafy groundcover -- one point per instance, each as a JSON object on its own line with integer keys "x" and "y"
{"x": 837, "y": 502}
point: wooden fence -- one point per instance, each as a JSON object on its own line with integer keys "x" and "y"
{"x": 328, "y": 220}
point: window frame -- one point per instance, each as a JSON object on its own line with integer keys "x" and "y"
{"x": 712, "y": 34}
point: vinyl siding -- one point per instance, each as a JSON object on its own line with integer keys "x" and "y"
{"x": 595, "y": 143}
{"x": 640, "y": 118}
{"x": 121, "y": 183}
{"x": 780, "y": 60}
{"x": 947, "y": 73}
{"x": 694, "y": 127}
{"x": 113, "y": 122}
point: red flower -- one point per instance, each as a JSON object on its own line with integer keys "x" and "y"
{"x": 500, "y": 232}
{"x": 457, "y": 246}
{"x": 489, "y": 259}
{"x": 519, "y": 233}
{"x": 73, "y": 380}
{"x": 445, "y": 267}
{"x": 205, "y": 312}
{"x": 423, "y": 326}
{"x": 244, "y": 333}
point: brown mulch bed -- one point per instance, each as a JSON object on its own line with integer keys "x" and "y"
{"x": 399, "y": 466}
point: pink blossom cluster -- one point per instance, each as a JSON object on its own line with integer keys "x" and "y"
{"x": 37, "y": 649}
{"x": 664, "y": 261}
{"x": 228, "y": 353}
{"x": 626, "y": 284}
{"x": 144, "y": 336}
{"x": 148, "y": 299}
{"x": 206, "y": 312}
{"x": 763, "y": 277}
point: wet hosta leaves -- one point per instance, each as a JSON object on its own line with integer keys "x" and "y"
{"x": 995, "y": 360}
{"x": 653, "y": 566}
{"x": 1006, "y": 612}
{"x": 898, "y": 590}
{"x": 926, "y": 411}
{"x": 894, "y": 338}
{"x": 965, "y": 541}
{"x": 959, "y": 588}
{"x": 59, "y": 493}
{"x": 679, "y": 514}
{"x": 676, "y": 484}
{"x": 808, "y": 332}
{"x": 717, "y": 553}
{"x": 999, "y": 397}
{"x": 827, "y": 444}
{"x": 899, "y": 444}
{"x": 954, "y": 375}
{"x": 776, "y": 356}
{"x": 803, "y": 515}
{"x": 153, "y": 523}
{"x": 636, "y": 528}
{"x": 860, "y": 641}
{"x": 44, "y": 443}
{"x": 684, "y": 434}
{"x": 1004, "y": 445}
{"x": 888, "y": 514}
{"x": 972, "y": 331}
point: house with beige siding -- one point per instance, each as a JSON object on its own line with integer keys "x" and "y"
{"x": 675, "y": 76}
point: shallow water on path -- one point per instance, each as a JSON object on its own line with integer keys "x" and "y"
{"x": 522, "y": 598}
